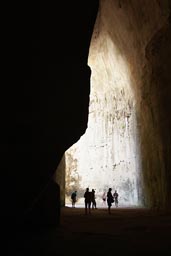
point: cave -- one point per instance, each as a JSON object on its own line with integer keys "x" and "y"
{"x": 108, "y": 154}
{"x": 60, "y": 53}
{"x": 125, "y": 66}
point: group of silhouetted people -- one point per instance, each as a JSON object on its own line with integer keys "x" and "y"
{"x": 90, "y": 199}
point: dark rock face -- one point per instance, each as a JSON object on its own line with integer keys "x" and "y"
{"x": 46, "y": 110}
{"x": 158, "y": 53}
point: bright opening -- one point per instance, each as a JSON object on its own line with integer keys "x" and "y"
{"x": 107, "y": 155}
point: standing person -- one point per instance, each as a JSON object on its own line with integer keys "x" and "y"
{"x": 74, "y": 198}
{"x": 110, "y": 199}
{"x": 93, "y": 199}
{"x": 115, "y": 195}
{"x": 87, "y": 200}
{"x": 104, "y": 198}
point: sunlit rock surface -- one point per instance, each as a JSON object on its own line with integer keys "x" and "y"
{"x": 108, "y": 154}
{"x": 127, "y": 144}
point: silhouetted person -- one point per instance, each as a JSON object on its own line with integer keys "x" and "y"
{"x": 74, "y": 198}
{"x": 115, "y": 195}
{"x": 93, "y": 199}
{"x": 110, "y": 199}
{"x": 104, "y": 198}
{"x": 88, "y": 199}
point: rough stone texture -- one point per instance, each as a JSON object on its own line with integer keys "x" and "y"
{"x": 45, "y": 57}
{"x": 133, "y": 26}
{"x": 139, "y": 32}
{"x": 158, "y": 53}
{"x": 108, "y": 154}
{"x": 48, "y": 113}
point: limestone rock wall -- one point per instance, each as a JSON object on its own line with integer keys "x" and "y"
{"x": 130, "y": 96}
{"x": 141, "y": 31}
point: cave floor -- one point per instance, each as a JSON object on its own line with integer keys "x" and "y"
{"x": 125, "y": 231}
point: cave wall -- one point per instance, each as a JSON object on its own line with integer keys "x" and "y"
{"x": 60, "y": 178}
{"x": 141, "y": 30}
{"x": 107, "y": 155}
{"x": 44, "y": 106}
{"x": 158, "y": 53}
{"x": 44, "y": 109}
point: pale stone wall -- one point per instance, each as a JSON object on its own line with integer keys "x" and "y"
{"x": 108, "y": 155}
{"x": 127, "y": 142}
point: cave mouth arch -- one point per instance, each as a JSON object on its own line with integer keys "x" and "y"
{"x": 108, "y": 154}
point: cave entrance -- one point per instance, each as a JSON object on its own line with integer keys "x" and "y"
{"x": 107, "y": 155}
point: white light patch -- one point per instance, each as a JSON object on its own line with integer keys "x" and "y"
{"x": 107, "y": 154}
